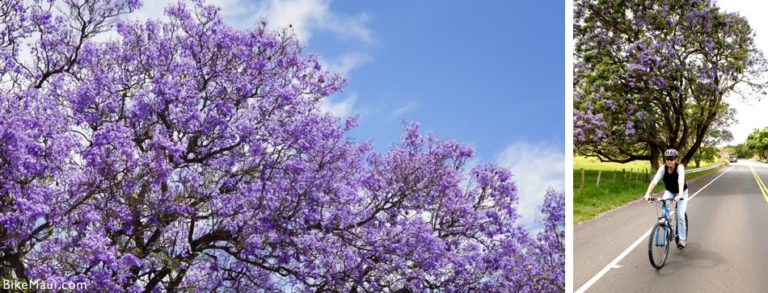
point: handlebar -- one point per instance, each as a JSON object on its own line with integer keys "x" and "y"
{"x": 653, "y": 199}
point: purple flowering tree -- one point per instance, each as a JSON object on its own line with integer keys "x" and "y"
{"x": 40, "y": 45}
{"x": 185, "y": 155}
{"x": 651, "y": 75}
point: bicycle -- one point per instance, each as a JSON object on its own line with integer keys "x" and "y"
{"x": 663, "y": 232}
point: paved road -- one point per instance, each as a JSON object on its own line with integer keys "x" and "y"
{"x": 727, "y": 243}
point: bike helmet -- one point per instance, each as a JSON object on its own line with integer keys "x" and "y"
{"x": 670, "y": 153}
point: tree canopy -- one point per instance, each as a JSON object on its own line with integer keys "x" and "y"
{"x": 741, "y": 151}
{"x": 757, "y": 141}
{"x": 652, "y": 75}
{"x": 185, "y": 155}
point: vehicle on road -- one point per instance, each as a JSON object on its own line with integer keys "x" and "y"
{"x": 663, "y": 232}
{"x": 732, "y": 159}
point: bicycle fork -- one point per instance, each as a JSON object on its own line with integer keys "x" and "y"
{"x": 666, "y": 232}
{"x": 661, "y": 239}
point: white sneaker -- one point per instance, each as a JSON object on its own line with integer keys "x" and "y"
{"x": 681, "y": 244}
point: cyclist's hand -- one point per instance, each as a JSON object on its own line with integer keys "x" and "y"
{"x": 646, "y": 197}
{"x": 678, "y": 198}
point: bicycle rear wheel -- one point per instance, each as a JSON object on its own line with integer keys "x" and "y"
{"x": 658, "y": 245}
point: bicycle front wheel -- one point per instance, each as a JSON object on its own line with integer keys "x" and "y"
{"x": 658, "y": 245}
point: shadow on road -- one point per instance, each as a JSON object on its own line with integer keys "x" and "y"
{"x": 693, "y": 256}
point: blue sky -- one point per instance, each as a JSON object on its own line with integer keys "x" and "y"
{"x": 490, "y": 74}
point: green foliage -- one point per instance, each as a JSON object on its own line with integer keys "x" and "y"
{"x": 740, "y": 150}
{"x": 705, "y": 153}
{"x": 758, "y": 142}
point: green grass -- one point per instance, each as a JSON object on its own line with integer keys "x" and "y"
{"x": 616, "y": 187}
{"x": 595, "y": 164}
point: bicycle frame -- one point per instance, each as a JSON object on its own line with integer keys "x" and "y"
{"x": 664, "y": 232}
{"x": 666, "y": 219}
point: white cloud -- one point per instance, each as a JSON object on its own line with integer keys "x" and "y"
{"x": 306, "y": 16}
{"x": 751, "y": 115}
{"x": 345, "y": 63}
{"x": 535, "y": 167}
{"x": 151, "y": 9}
{"x": 231, "y": 10}
{"x": 410, "y": 107}
{"x": 341, "y": 108}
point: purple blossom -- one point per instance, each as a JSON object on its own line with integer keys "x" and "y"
{"x": 629, "y": 128}
{"x": 190, "y": 156}
{"x": 639, "y": 67}
{"x": 649, "y": 56}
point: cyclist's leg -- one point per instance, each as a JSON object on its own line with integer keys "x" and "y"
{"x": 681, "y": 206}
{"x": 669, "y": 195}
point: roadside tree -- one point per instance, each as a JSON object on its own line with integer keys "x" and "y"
{"x": 652, "y": 75}
{"x": 757, "y": 141}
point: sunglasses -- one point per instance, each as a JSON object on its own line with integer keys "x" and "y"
{"x": 670, "y": 158}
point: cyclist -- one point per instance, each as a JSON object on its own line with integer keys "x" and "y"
{"x": 673, "y": 175}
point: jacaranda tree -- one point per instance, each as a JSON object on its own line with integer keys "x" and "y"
{"x": 185, "y": 155}
{"x": 652, "y": 75}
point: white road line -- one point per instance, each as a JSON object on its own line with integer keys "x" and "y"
{"x": 637, "y": 242}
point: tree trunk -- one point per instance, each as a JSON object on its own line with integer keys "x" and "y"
{"x": 654, "y": 159}
{"x": 702, "y": 131}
